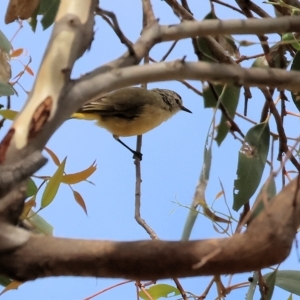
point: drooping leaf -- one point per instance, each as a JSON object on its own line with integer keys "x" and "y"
{"x": 5, "y": 68}
{"x": 267, "y": 193}
{"x": 80, "y": 201}
{"x": 251, "y": 164}
{"x": 29, "y": 70}
{"x": 226, "y": 41}
{"x": 4, "y": 281}
{"x": 53, "y": 185}
{"x": 209, "y": 98}
{"x": 31, "y": 188}
{"x": 17, "y": 52}
{"x": 288, "y": 280}
{"x": 230, "y": 99}
{"x": 160, "y": 291}
{"x": 80, "y": 176}
{"x": 39, "y": 224}
{"x": 291, "y": 39}
{"x": 48, "y": 9}
{"x": 13, "y": 285}
{"x": 28, "y": 207}
{"x": 5, "y": 44}
{"x": 8, "y": 114}
{"x": 53, "y": 156}
{"x": 270, "y": 283}
{"x": 6, "y": 89}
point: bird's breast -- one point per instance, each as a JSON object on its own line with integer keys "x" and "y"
{"x": 150, "y": 118}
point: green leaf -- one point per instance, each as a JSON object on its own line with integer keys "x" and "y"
{"x": 288, "y": 280}
{"x": 6, "y": 89}
{"x": 290, "y": 38}
{"x": 251, "y": 164}
{"x": 31, "y": 188}
{"x": 48, "y": 9}
{"x": 53, "y": 185}
{"x": 40, "y": 225}
{"x": 5, "y": 44}
{"x": 267, "y": 193}
{"x": 296, "y": 67}
{"x": 8, "y": 114}
{"x": 276, "y": 55}
{"x": 205, "y": 49}
{"x": 209, "y": 98}
{"x": 230, "y": 99}
{"x": 160, "y": 291}
{"x": 270, "y": 283}
{"x": 4, "y": 281}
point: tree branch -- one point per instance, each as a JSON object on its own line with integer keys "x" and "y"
{"x": 44, "y": 256}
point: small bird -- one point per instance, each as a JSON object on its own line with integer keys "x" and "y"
{"x": 131, "y": 111}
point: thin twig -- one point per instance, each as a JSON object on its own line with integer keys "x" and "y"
{"x": 283, "y": 147}
{"x": 115, "y": 26}
{"x": 227, "y": 5}
{"x": 169, "y": 51}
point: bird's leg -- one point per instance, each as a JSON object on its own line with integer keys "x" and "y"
{"x": 139, "y": 155}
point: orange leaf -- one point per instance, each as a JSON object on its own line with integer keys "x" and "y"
{"x": 16, "y": 52}
{"x": 12, "y": 286}
{"x": 80, "y": 200}
{"x": 80, "y": 176}
{"x": 53, "y": 156}
{"x": 28, "y": 69}
{"x": 219, "y": 195}
{"x": 214, "y": 217}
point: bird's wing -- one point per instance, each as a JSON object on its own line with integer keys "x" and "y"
{"x": 121, "y": 103}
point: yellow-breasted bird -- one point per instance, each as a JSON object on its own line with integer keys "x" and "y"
{"x": 132, "y": 111}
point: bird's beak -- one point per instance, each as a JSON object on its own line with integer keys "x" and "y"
{"x": 185, "y": 109}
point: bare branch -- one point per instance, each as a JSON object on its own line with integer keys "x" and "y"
{"x": 90, "y": 86}
{"x": 115, "y": 26}
{"x": 148, "y": 12}
{"x": 115, "y": 259}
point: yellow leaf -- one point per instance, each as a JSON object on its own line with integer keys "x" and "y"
{"x": 27, "y": 207}
{"x": 12, "y": 286}
{"x": 16, "y": 52}
{"x": 80, "y": 176}
{"x": 80, "y": 201}
{"x": 213, "y": 216}
{"x": 53, "y": 156}
{"x": 53, "y": 185}
{"x": 219, "y": 195}
{"x": 8, "y": 114}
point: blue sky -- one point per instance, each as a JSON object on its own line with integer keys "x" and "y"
{"x": 172, "y": 160}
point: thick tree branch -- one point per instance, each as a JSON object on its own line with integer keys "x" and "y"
{"x": 74, "y": 28}
{"x": 91, "y": 85}
{"x": 47, "y": 256}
